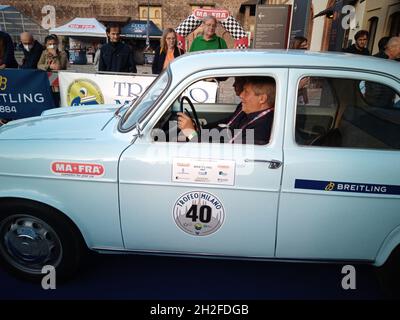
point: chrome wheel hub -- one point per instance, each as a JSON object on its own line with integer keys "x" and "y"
{"x": 29, "y": 243}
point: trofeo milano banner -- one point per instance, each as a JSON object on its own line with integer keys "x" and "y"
{"x": 90, "y": 89}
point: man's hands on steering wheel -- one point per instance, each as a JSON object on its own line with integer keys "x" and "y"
{"x": 186, "y": 124}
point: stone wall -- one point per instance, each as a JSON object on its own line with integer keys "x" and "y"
{"x": 174, "y": 11}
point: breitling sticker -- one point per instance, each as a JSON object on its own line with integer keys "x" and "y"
{"x": 199, "y": 213}
{"x": 349, "y": 187}
{"x": 75, "y": 169}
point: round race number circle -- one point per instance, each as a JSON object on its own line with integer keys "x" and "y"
{"x": 198, "y": 213}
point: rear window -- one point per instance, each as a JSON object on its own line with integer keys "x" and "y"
{"x": 348, "y": 113}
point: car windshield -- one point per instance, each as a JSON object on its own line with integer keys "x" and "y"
{"x": 145, "y": 102}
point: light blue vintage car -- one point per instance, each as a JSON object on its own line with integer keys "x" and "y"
{"x": 122, "y": 180}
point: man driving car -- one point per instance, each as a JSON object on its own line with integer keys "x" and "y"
{"x": 252, "y": 121}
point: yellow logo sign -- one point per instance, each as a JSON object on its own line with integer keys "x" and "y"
{"x": 330, "y": 186}
{"x": 84, "y": 92}
{"x": 3, "y": 83}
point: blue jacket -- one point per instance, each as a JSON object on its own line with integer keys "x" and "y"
{"x": 31, "y": 58}
{"x": 116, "y": 57}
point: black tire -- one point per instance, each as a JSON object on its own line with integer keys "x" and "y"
{"x": 33, "y": 235}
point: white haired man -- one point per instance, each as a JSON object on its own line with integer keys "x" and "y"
{"x": 379, "y": 95}
{"x": 391, "y": 51}
{"x": 208, "y": 40}
{"x": 251, "y": 122}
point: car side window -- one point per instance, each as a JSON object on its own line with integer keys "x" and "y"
{"x": 351, "y": 113}
{"x": 208, "y": 99}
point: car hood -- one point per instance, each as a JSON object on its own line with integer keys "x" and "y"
{"x": 59, "y": 124}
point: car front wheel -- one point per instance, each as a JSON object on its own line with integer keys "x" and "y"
{"x": 33, "y": 236}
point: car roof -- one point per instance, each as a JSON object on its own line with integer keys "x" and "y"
{"x": 215, "y": 59}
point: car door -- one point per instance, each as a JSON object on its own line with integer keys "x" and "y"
{"x": 202, "y": 198}
{"x": 340, "y": 197}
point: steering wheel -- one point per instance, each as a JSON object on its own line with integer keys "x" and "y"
{"x": 196, "y": 118}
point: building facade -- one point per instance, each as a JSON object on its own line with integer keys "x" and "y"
{"x": 380, "y": 17}
{"x": 164, "y": 13}
{"x": 325, "y": 28}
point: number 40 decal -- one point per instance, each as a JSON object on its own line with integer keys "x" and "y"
{"x": 198, "y": 213}
{"x": 204, "y": 213}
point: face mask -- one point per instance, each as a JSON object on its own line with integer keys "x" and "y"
{"x": 28, "y": 47}
{"x": 51, "y": 46}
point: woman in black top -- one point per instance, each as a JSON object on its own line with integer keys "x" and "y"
{"x": 167, "y": 51}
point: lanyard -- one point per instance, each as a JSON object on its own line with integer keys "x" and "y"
{"x": 262, "y": 114}
{"x": 234, "y": 118}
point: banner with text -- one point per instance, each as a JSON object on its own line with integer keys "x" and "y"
{"x": 24, "y": 93}
{"x": 90, "y": 89}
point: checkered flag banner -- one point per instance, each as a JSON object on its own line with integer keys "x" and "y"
{"x": 231, "y": 25}
{"x": 188, "y": 25}
{"x": 234, "y": 28}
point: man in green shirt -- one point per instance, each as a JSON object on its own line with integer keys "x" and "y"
{"x": 209, "y": 40}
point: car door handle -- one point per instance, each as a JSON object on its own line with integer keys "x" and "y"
{"x": 273, "y": 164}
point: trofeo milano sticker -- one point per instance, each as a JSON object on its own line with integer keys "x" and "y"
{"x": 198, "y": 213}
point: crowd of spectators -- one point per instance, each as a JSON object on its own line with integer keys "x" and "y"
{"x": 36, "y": 56}
{"x": 389, "y": 47}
